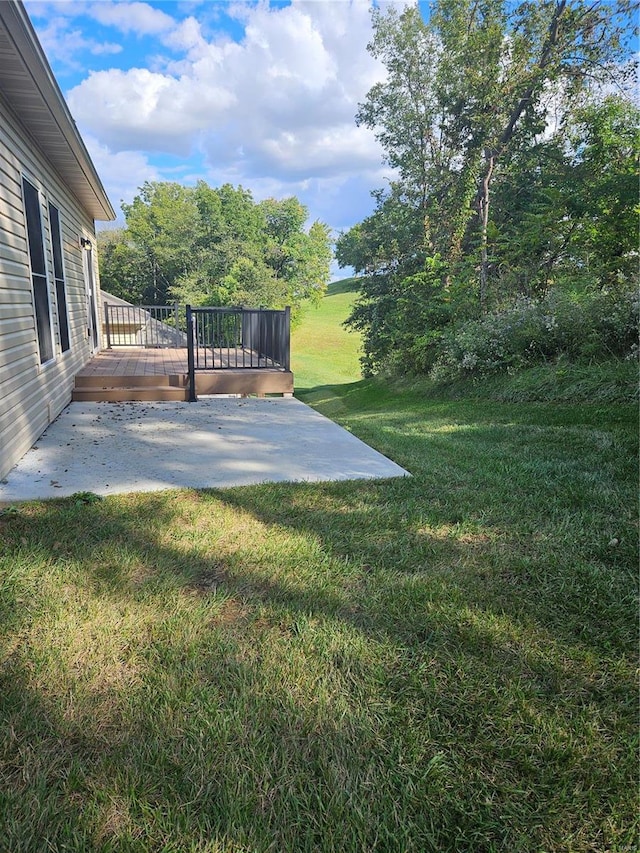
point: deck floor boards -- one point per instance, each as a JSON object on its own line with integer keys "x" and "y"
{"x": 137, "y": 362}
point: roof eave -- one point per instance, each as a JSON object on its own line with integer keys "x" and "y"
{"x": 53, "y": 108}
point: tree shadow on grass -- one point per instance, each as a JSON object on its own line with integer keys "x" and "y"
{"x": 316, "y": 668}
{"x": 204, "y": 743}
{"x": 205, "y": 758}
{"x": 483, "y": 553}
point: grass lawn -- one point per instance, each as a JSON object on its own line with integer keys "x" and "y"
{"x": 445, "y": 662}
{"x": 322, "y": 350}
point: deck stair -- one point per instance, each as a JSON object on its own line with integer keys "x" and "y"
{"x": 118, "y": 389}
{"x": 159, "y": 375}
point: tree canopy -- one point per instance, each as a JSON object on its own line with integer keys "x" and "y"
{"x": 515, "y": 154}
{"x": 214, "y": 246}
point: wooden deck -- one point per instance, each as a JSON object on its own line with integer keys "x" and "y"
{"x": 136, "y": 361}
{"x": 132, "y": 373}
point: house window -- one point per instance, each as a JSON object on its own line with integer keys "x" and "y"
{"x": 58, "y": 273}
{"x": 38, "y": 270}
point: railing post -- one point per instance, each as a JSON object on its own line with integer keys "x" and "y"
{"x": 147, "y": 331}
{"x": 190, "y": 355}
{"x": 287, "y": 338}
{"x": 107, "y": 326}
{"x": 175, "y": 314}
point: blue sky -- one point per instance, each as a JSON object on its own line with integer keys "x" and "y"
{"x": 258, "y": 94}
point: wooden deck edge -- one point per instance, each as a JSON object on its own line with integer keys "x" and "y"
{"x": 149, "y": 380}
{"x": 245, "y": 382}
{"x": 163, "y": 394}
{"x": 171, "y": 387}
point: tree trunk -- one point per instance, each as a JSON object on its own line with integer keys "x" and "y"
{"x": 483, "y": 213}
{"x": 504, "y": 138}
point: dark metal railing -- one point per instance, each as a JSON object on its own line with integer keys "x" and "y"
{"x": 150, "y": 326}
{"x": 236, "y": 338}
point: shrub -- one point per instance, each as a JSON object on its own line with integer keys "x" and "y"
{"x": 581, "y": 328}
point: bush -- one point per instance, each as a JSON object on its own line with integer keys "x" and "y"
{"x": 579, "y": 328}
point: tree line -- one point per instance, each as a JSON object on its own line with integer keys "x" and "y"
{"x": 515, "y": 154}
{"x": 214, "y": 246}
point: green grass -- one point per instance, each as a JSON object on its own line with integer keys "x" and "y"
{"x": 322, "y": 350}
{"x": 446, "y": 662}
{"x": 607, "y": 382}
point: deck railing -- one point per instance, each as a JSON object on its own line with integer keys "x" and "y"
{"x": 236, "y": 338}
{"x": 149, "y": 326}
{"x": 215, "y": 338}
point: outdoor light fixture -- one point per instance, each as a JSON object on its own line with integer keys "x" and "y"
{"x": 85, "y": 244}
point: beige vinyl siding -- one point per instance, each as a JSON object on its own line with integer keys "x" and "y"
{"x": 31, "y": 394}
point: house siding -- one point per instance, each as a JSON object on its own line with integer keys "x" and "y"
{"x": 33, "y": 394}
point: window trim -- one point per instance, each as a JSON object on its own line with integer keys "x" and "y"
{"x": 92, "y": 293}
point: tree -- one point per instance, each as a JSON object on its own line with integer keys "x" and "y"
{"x": 123, "y": 266}
{"x": 390, "y": 247}
{"x": 556, "y": 44}
{"x": 464, "y": 113}
{"x": 313, "y": 263}
{"x": 216, "y": 246}
{"x": 300, "y": 258}
{"x": 161, "y": 222}
{"x": 604, "y": 191}
{"x": 567, "y": 215}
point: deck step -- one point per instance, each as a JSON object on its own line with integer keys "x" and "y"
{"x": 94, "y": 387}
{"x": 151, "y": 380}
{"x": 146, "y": 394}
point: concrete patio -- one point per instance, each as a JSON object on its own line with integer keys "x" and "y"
{"x": 110, "y": 448}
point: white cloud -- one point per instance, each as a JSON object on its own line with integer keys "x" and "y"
{"x": 279, "y": 104}
{"x": 42, "y": 8}
{"x": 140, "y": 109}
{"x": 311, "y": 151}
{"x": 288, "y": 48}
{"x": 254, "y": 94}
{"x": 122, "y": 172}
{"x": 104, "y": 48}
{"x": 62, "y": 43}
{"x": 138, "y": 18}
{"x": 187, "y": 36}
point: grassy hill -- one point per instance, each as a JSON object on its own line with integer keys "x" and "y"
{"x": 323, "y": 352}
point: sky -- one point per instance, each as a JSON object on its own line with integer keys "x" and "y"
{"x": 258, "y": 94}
